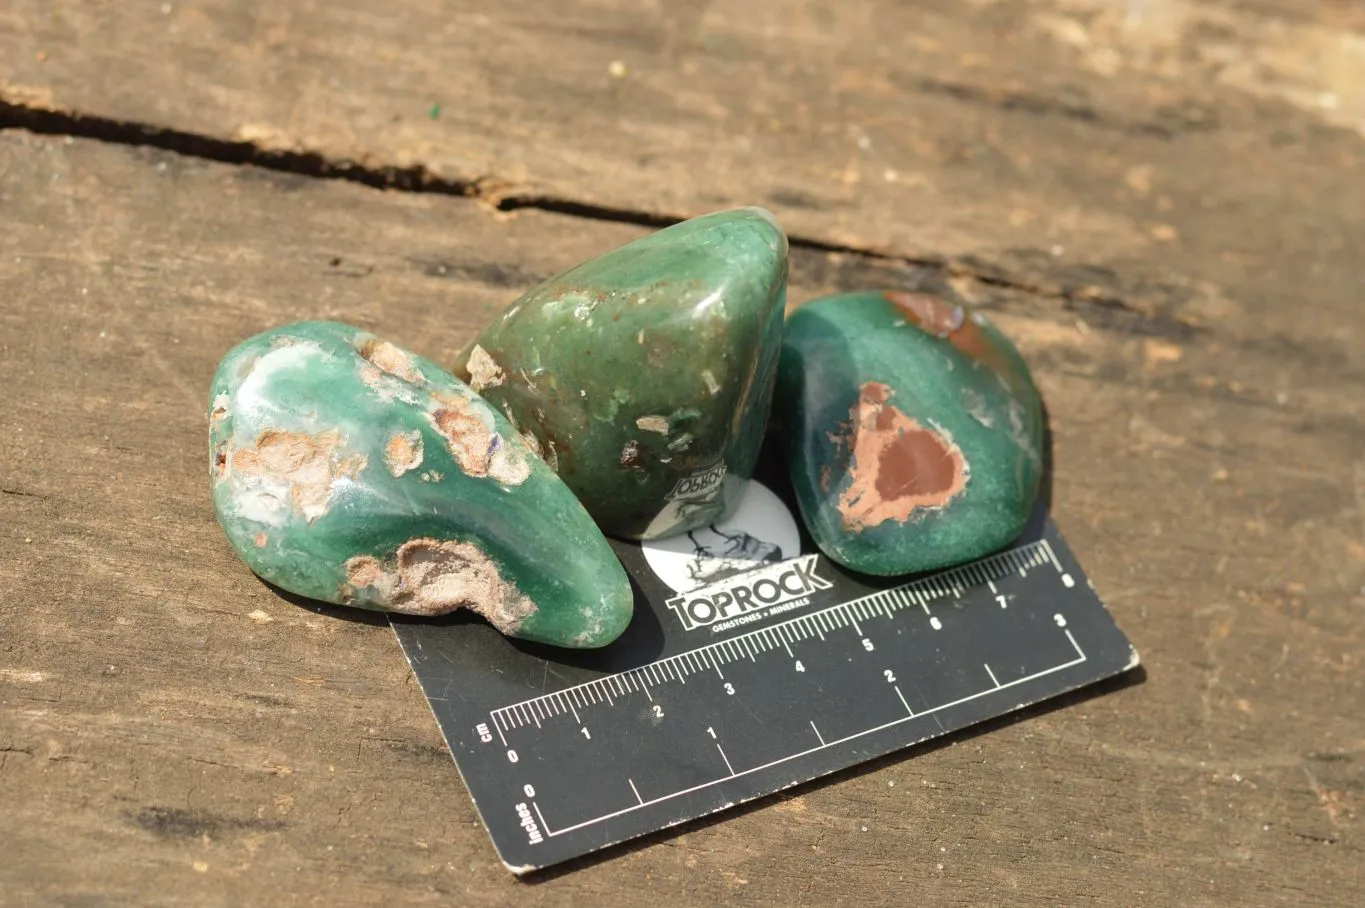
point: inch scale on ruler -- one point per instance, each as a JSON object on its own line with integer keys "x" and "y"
{"x": 564, "y": 754}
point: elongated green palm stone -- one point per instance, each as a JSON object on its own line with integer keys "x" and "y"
{"x": 913, "y": 429}
{"x": 644, "y": 376}
{"x": 349, "y": 470}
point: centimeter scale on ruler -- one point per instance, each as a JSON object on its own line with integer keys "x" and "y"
{"x": 829, "y": 680}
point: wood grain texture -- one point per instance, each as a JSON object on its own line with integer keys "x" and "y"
{"x": 173, "y": 732}
{"x": 1122, "y": 135}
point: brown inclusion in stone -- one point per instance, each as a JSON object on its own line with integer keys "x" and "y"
{"x": 897, "y": 465}
{"x": 931, "y": 314}
{"x": 942, "y": 319}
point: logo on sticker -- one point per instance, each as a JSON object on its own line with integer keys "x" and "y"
{"x": 738, "y": 570}
{"x": 782, "y": 587}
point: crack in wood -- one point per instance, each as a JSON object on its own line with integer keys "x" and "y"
{"x": 174, "y": 822}
{"x": 488, "y": 190}
{"x": 1173, "y": 122}
{"x": 42, "y": 121}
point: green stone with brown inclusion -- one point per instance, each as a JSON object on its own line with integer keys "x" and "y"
{"x": 349, "y": 470}
{"x": 644, "y": 376}
{"x": 913, "y": 430}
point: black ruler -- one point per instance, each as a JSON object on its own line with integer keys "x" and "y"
{"x": 753, "y": 664}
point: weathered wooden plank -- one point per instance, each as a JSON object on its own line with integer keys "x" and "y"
{"x": 1131, "y": 136}
{"x": 173, "y": 732}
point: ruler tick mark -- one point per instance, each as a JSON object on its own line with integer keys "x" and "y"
{"x": 726, "y": 759}
{"x": 637, "y": 792}
{"x": 543, "y": 825}
{"x": 992, "y": 674}
{"x": 1047, "y": 546}
{"x": 686, "y": 791}
{"x": 897, "y": 689}
{"x": 819, "y": 737}
{"x": 886, "y": 602}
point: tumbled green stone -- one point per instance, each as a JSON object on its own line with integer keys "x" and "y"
{"x": 644, "y": 377}
{"x": 349, "y": 470}
{"x": 913, "y": 431}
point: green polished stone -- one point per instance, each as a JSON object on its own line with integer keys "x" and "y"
{"x": 349, "y": 470}
{"x": 644, "y": 376}
{"x": 913, "y": 431}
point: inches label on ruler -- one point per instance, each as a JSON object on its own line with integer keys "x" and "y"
{"x": 753, "y": 663}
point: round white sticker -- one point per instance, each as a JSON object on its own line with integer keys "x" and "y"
{"x": 761, "y": 531}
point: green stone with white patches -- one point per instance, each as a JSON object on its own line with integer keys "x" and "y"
{"x": 644, "y": 376}
{"x": 349, "y": 470}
